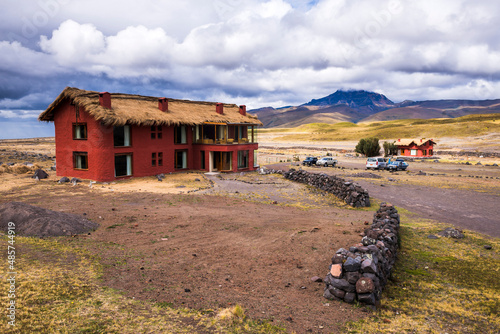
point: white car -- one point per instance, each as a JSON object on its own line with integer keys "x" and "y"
{"x": 376, "y": 163}
{"x": 326, "y": 161}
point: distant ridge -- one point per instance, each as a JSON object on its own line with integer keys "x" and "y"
{"x": 363, "y": 106}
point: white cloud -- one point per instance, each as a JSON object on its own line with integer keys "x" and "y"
{"x": 267, "y": 51}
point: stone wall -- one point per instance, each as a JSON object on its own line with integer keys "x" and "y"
{"x": 361, "y": 272}
{"x": 349, "y": 192}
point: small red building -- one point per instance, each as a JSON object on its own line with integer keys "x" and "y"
{"x": 103, "y": 136}
{"x": 415, "y": 147}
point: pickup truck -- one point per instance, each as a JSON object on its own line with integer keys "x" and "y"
{"x": 326, "y": 161}
{"x": 398, "y": 164}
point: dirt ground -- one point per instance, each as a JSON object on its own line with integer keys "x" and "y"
{"x": 230, "y": 245}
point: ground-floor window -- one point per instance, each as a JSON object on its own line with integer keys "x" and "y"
{"x": 156, "y": 159}
{"x": 180, "y": 159}
{"x": 123, "y": 165}
{"x": 413, "y": 152}
{"x": 402, "y": 151}
{"x": 80, "y": 160}
{"x": 430, "y": 152}
{"x": 242, "y": 159}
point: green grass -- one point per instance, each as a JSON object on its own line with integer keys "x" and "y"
{"x": 439, "y": 286}
{"x": 471, "y": 125}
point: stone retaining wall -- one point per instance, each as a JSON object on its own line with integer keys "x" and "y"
{"x": 361, "y": 272}
{"x": 349, "y": 192}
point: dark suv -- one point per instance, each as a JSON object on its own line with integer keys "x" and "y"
{"x": 310, "y": 161}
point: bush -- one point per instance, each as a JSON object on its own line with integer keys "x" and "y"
{"x": 368, "y": 146}
{"x": 390, "y": 148}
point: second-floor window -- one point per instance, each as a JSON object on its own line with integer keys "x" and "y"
{"x": 121, "y": 136}
{"x": 156, "y": 132}
{"x": 180, "y": 135}
{"x": 79, "y": 130}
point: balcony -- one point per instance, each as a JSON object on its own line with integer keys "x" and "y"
{"x": 224, "y": 134}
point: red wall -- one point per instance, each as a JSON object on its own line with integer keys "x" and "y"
{"x": 420, "y": 150}
{"x": 101, "y": 151}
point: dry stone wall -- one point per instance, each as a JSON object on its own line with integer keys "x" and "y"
{"x": 351, "y": 193}
{"x": 361, "y": 272}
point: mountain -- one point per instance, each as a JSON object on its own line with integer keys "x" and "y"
{"x": 363, "y": 106}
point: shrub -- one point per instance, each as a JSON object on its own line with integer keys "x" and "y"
{"x": 368, "y": 146}
{"x": 390, "y": 148}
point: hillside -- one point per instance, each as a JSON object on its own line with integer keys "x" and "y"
{"x": 363, "y": 106}
{"x": 461, "y": 127}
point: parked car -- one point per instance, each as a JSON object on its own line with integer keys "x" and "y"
{"x": 376, "y": 163}
{"x": 398, "y": 164}
{"x": 326, "y": 161}
{"x": 309, "y": 161}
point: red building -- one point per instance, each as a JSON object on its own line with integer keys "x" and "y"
{"x": 103, "y": 136}
{"x": 415, "y": 147}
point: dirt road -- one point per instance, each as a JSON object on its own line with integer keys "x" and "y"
{"x": 470, "y": 200}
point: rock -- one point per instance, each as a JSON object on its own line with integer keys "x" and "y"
{"x": 488, "y": 247}
{"x": 432, "y": 236}
{"x": 328, "y": 295}
{"x": 342, "y": 284}
{"x": 365, "y": 285}
{"x": 316, "y": 279}
{"x": 350, "y": 297}
{"x": 197, "y": 180}
{"x": 336, "y": 270}
{"x": 63, "y": 179}
{"x": 368, "y": 266}
{"x": 75, "y": 180}
{"x": 368, "y": 241}
{"x": 40, "y": 174}
{"x": 337, "y": 258}
{"x": 367, "y": 298}
{"x": 452, "y": 232}
{"x": 337, "y": 292}
{"x": 352, "y": 276}
{"x": 352, "y": 264}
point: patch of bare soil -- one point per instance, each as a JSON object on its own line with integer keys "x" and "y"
{"x": 34, "y": 221}
{"x": 210, "y": 251}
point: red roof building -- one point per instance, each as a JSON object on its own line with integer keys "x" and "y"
{"x": 104, "y": 137}
{"x": 415, "y": 147}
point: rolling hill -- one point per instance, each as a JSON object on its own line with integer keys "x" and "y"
{"x": 359, "y": 106}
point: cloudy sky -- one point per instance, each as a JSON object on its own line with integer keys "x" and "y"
{"x": 254, "y": 52}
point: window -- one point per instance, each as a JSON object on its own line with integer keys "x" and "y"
{"x": 425, "y": 152}
{"x": 242, "y": 159}
{"x": 180, "y": 159}
{"x": 121, "y": 135}
{"x": 79, "y": 130}
{"x": 156, "y": 132}
{"x": 157, "y": 159}
{"x": 402, "y": 151}
{"x": 180, "y": 135}
{"x": 80, "y": 160}
{"x": 123, "y": 165}
{"x": 430, "y": 152}
{"x": 413, "y": 152}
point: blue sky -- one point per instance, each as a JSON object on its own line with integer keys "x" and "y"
{"x": 258, "y": 53}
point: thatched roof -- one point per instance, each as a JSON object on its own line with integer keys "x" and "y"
{"x": 418, "y": 142}
{"x": 143, "y": 110}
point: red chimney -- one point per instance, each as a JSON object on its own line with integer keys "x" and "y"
{"x": 219, "y": 108}
{"x": 243, "y": 110}
{"x": 163, "y": 104}
{"x": 105, "y": 100}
